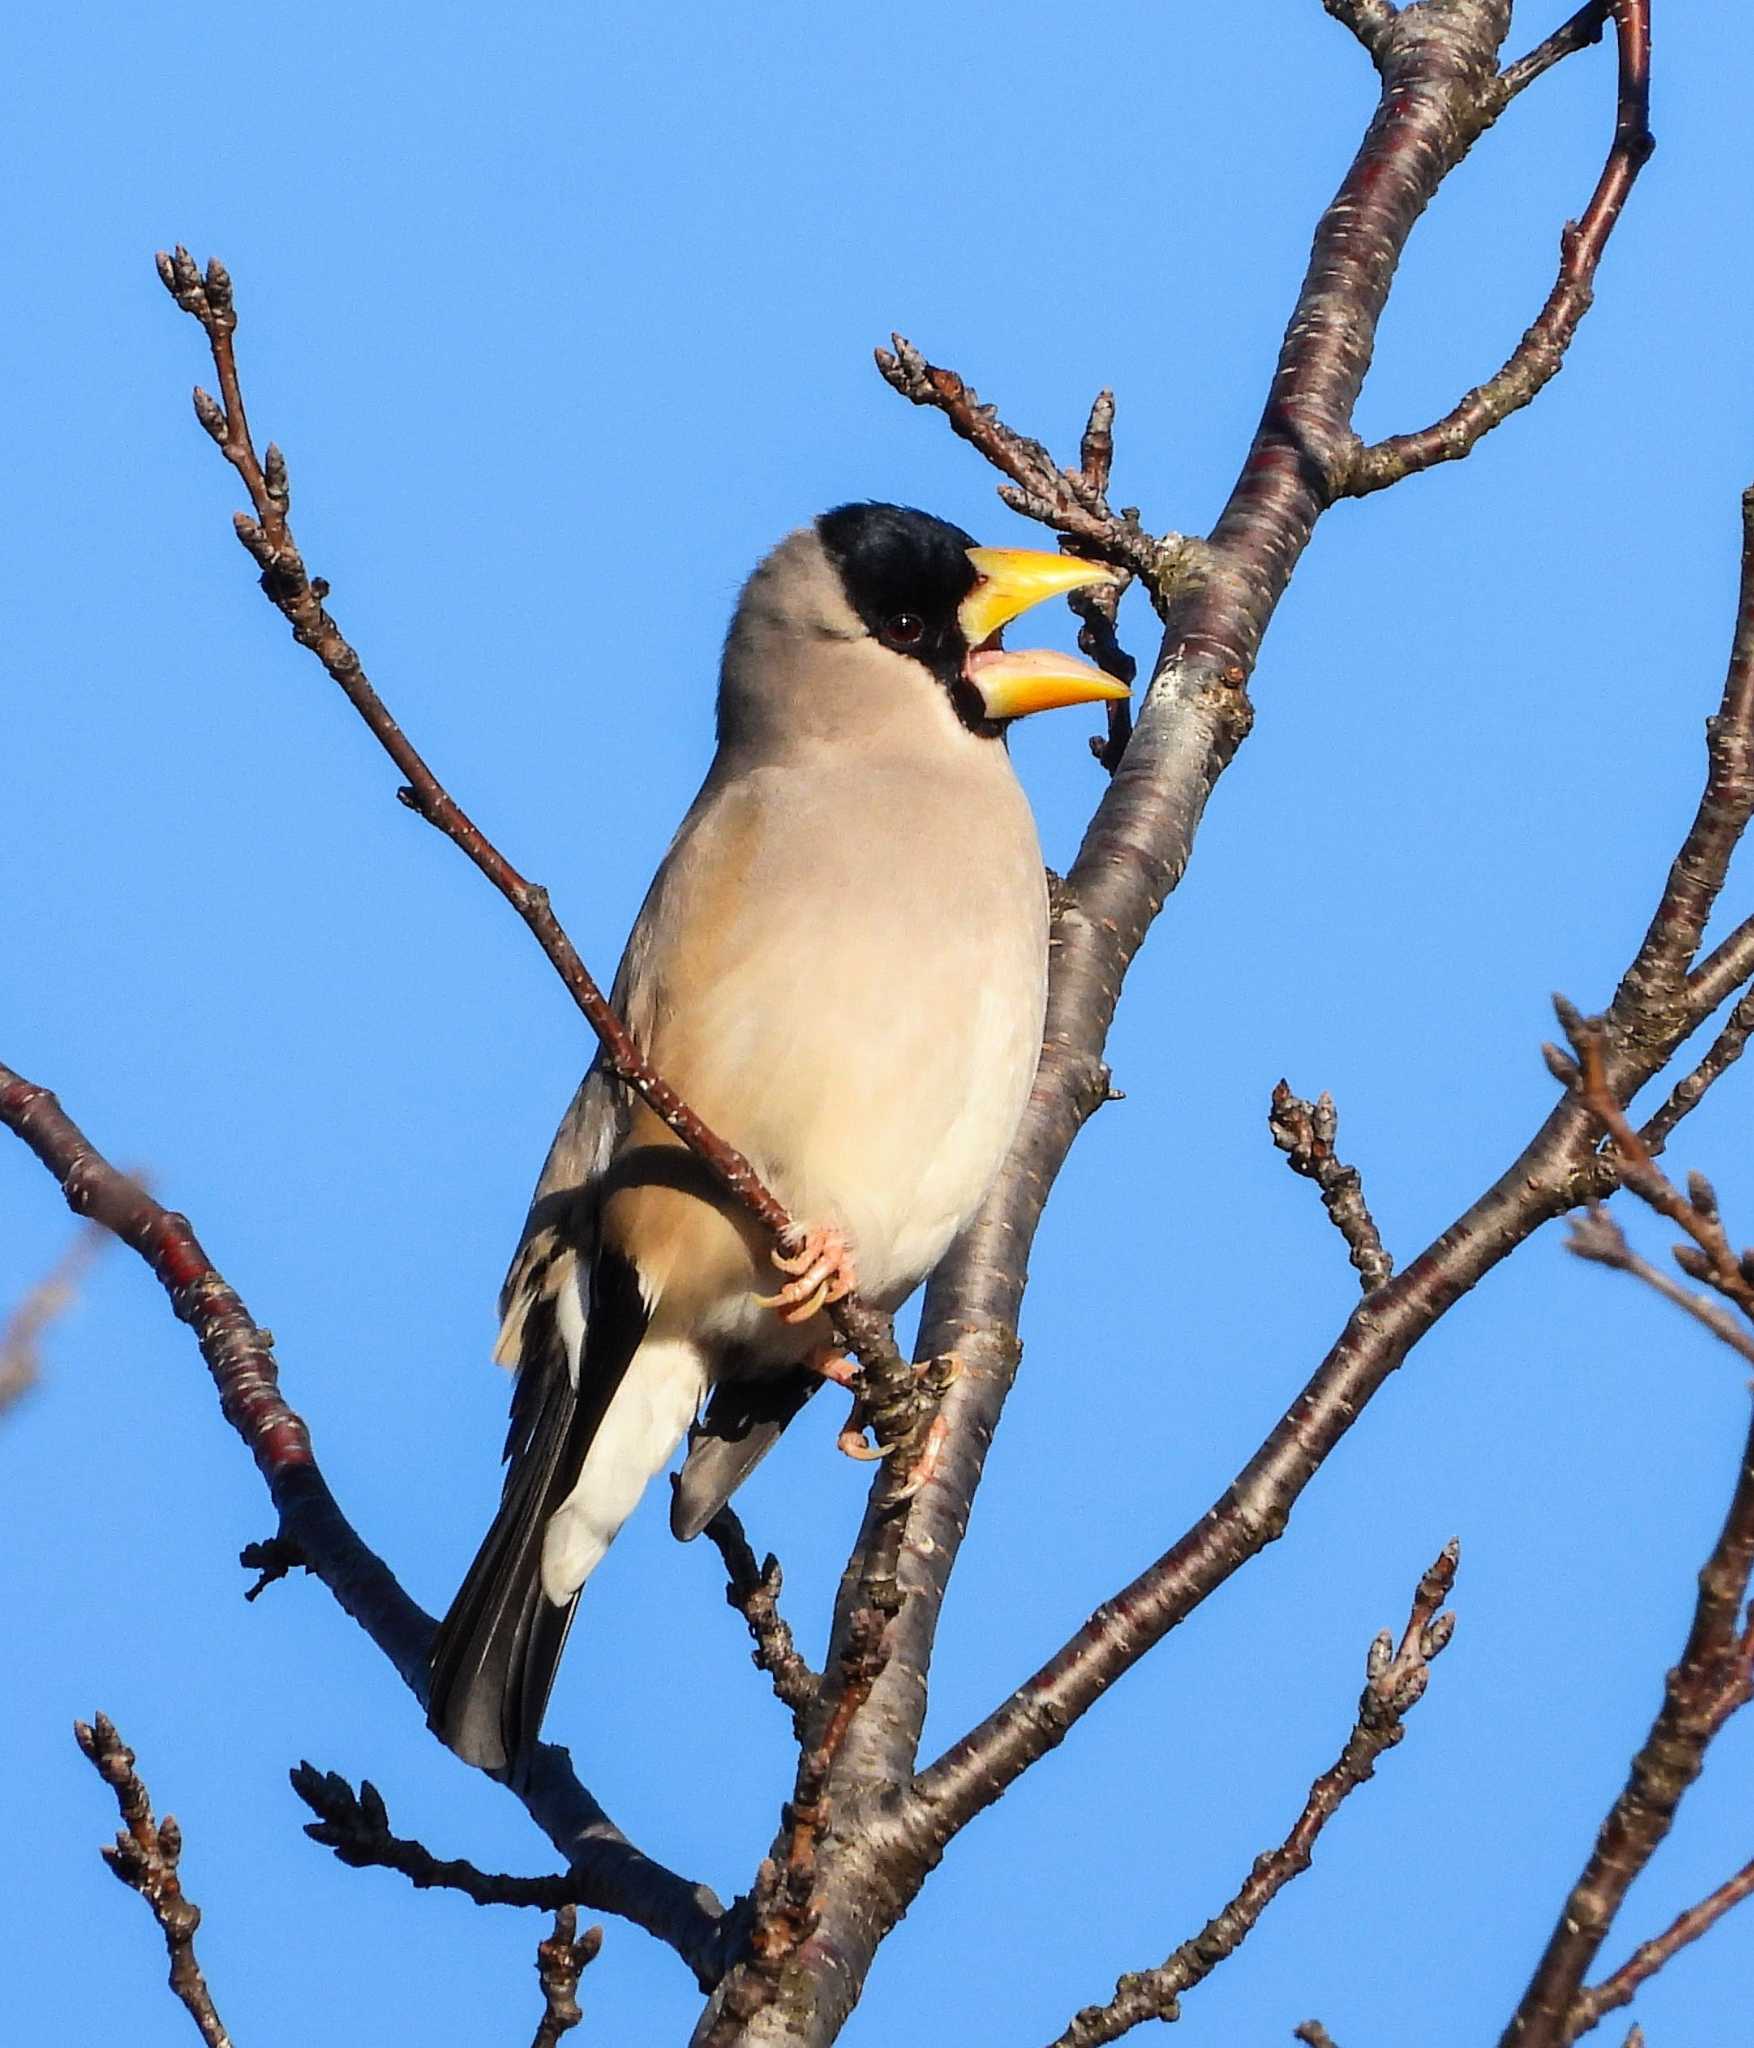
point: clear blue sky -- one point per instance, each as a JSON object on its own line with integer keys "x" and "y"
{"x": 562, "y": 316}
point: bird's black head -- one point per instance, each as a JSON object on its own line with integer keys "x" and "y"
{"x": 905, "y": 574}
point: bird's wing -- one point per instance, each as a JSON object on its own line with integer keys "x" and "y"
{"x": 570, "y": 1321}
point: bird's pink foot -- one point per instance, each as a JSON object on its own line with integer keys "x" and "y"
{"x": 823, "y": 1271}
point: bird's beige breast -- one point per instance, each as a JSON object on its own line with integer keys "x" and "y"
{"x": 845, "y": 972}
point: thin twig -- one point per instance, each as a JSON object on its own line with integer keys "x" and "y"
{"x": 1711, "y": 1258}
{"x": 1690, "y": 1090}
{"x": 1715, "y": 1676}
{"x": 1395, "y": 1681}
{"x": 754, "y": 1592}
{"x": 1537, "y": 358}
{"x": 52, "y": 1296}
{"x": 1591, "y": 2007}
{"x": 1584, "y": 28}
{"x": 1068, "y": 500}
{"x": 1098, "y": 606}
{"x": 1313, "y": 2034}
{"x": 1305, "y": 1133}
{"x": 560, "y": 1962}
{"x": 1598, "y": 1237}
{"x": 145, "y": 1856}
{"x": 356, "y": 1826}
{"x": 208, "y": 299}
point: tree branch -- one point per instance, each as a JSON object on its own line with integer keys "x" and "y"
{"x": 1591, "y": 2007}
{"x": 1395, "y": 1682}
{"x": 754, "y": 1592}
{"x": 560, "y": 1962}
{"x": 299, "y": 599}
{"x": 145, "y": 1858}
{"x": 1537, "y": 358}
{"x": 240, "y": 1358}
{"x": 1598, "y": 1237}
{"x": 1689, "y": 1091}
{"x": 1305, "y": 1133}
{"x": 1579, "y": 33}
{"x": 356, "y": 1826}
{"x": 1371, "y": 21}
{"x": 1714, "y": 1677}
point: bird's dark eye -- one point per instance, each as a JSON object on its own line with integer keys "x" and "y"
{"x": 904, "y": 629}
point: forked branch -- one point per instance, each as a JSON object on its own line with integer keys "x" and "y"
{"x": 1395, "y": 1680}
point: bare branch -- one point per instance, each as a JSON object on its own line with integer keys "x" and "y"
{"x": 560, "y": 1962}
{"x": 1714, "y": 1677}
{"x": 1591, "y": 2007}
{"x": 240, "y": 1358}
{"x": 1313, "y": 2034}
{"x": 1071, "y": 501}
{"x": 1690, "y": 1090}
{"x": 52, "y": 1296}
{"x": 268, "y": 537}
{"x": 1305, "y": 1133}
{"x": 1597, "y": 1237}
{"x": 754, "y": 1592}
{"x": 1714, "y": 1261}
{"x": 1395, "y": 1682}
{"x": 145, "y": 1857}
{"x": 1098, "y": 606}
{"x": 1371, "y": 21}
{"x": 1537, "y": 358}
{"x": 1584, "y": 28}
{"x": 356, "y": 1825}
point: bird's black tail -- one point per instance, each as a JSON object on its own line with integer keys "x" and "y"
{"x": 496, "y": 1651}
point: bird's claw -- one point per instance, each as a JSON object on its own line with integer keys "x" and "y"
{"x": 925, "y": 1467}
{"x": 851, "y": 1443}
{"x": 823, "y": 1272}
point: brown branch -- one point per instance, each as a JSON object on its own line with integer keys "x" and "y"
{"x": 1395, "y": 1682}
{"x": 560, "y": 1962}
{"x": 1690, "y": 1090}
{"x": 1712, "y": 1258}
{"x": 1071, "y": 501}
{"x": 1098, "y": 607}
{"x": 754, "y": 1592}
{"x": 240, "y": 1358}
{"x": 207, "y": 298}
{"x": 145, "y": 1857}
{"x": 1371, "y": 21}
{"x": 1591, "y": 2007}
{"x": 1714, "y": 1677}
{"x": 1312, "y": 2034}
{"x": 1579, "y": 33}
{"x": 1537, "y": 358}
{"x": 1598, "y": 1237}
{"x": 52, "y": 1296}
{"x": 356, "y": 1826}
{"x": 1305, "y": 1133}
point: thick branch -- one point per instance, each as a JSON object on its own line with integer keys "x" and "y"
{"x": 1537, "y": 358}
{"x": 240, "y": 1358}
{"x": 1305, "y": 1133}
{"x": 299, "y": 598}
{"x": 1395, "y": 1681}
{"x": 145, "y": 1857}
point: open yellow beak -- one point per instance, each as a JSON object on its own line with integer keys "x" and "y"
{"x": 1012, "y": 685}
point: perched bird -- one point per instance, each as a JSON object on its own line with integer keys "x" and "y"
{"x": 842, "y": 966}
